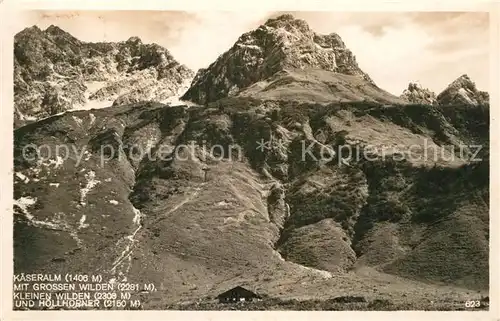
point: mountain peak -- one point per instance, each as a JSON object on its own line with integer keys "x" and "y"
{"x": 282, "y": 17}
{"x": 57, "y": 34}
{"x": 54, "y": 29}
{"x": 289, "y": 22}
{"x": 463, "y": 91}
{"x": 33, "y": 28}
{"x": 414, "y": 86}
{"x": 280, "y": 44}
{"x": 30, "y": 31}
{"x": 134, "y": 40}
{"x": 463, "y": 81}
{"x": 417, "y": 94}
{"x": 464, "y": 77}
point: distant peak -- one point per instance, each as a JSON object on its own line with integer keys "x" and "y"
{"x": 30, "y": 30}
{"x": 284, "y": 17}
{"x": 417, "y": 94}
{"x": 287, "y": 20}
{"x": 463, "y": 79}
{"x": 462, "y": 91}
{"x": 414, "y": 85}
{"x": 53, "y": 29}
{"x": 135, "y": 40}
{"x": 34, "y": 27}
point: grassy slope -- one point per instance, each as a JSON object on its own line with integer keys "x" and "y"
{"x": 319, "y": 86}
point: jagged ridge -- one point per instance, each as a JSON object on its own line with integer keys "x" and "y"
{"x": 53, "y": 71}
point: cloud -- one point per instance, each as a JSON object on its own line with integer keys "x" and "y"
{"x": 449, "y": 21}
{"x": 392, "y": 59}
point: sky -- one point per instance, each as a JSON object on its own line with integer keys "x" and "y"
{"x": 394, "y": 48}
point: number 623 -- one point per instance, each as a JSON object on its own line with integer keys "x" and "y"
{"x": 472, "y": 304}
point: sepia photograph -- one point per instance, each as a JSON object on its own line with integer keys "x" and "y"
{"x": 250, "y": 160}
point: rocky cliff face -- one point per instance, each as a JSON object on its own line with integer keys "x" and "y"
{"x": 281, "y": 43}
{"x": 55, "y": 72}
{"x": 463, "y": 91}
{"x": 416, "y": 94}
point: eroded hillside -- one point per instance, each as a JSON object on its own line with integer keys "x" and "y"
{"x": 194, "y": 219}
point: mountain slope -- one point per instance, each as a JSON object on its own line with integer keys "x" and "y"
{"x": 319, "y": 86}
{"x": 55, "y": 72}
{"x": 163, "y": 220}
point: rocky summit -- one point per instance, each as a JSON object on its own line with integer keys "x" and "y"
{"x": 281, "y": 43}
{"x": 55, "y": 72}
{"x": 295, "y": 177}
{"x": 416, "y": 94}
{"x": 463, "y": 91}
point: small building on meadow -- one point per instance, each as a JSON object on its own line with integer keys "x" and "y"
{"x": 237, "y": 294}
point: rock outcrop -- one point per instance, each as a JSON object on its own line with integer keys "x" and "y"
{"x": 54, "y": 72}
{"x": 416, "y": 94}
{"x": 281, "y": 43}
{"x": 463, "y": 91}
